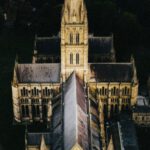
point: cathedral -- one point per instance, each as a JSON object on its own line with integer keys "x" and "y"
{"x": 72, "y": 86}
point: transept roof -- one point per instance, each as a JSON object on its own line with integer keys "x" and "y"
{"x": 38, "y": 73}
{"x": 111, "y": 72}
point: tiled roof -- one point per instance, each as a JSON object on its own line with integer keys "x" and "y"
{"x": 141, "y": 109}
{"x": 94, "y": 125}
{"x": 57, "y": 124}
{"x": 49, "y": 45}
{"x": 75, "y": 115}
{"x": 38, "y": 73}
{"x": 128, "y": 135}
{"x": 111, "y": 72}
{"x": 124, "y": 135}
{"x": 101, "y": 45}
{"x": 35, "y": 138}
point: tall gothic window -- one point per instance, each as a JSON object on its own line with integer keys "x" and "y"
{"x": 114, "y": 91}
{"x": 77, "y": 38}
{"x": 35, "y": 111}
{"x": 35, "y": 92}
{"x": 25, "y": 110}
{"x": 24, "y": 92}
{"x": 44, "y": 111}
{"x": 71, "y": 58}
{"x": 77, "y": 58}
{"x": 125, "y": 91}
{"x": 46, "y": 92}
{"x": 71, "y": 38}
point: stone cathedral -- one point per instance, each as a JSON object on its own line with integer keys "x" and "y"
{"x": 71, "y": 87}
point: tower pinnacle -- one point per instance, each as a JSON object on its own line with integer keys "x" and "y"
{"x": 74, "y": 11}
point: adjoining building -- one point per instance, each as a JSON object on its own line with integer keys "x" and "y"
{"x": 73, "y": 93}
{"x": 141, "y": 112}
{"x": 124, "y": 135}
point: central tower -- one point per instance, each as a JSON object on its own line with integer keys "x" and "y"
{"x": 74, "y": 39}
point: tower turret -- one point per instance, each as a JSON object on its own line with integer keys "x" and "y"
{"x": 74, "y": 39}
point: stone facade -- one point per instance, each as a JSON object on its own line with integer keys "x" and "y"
{"x": 109, "y": 87}
{"x": 141, "y": 112}
{"x": 74, "y": 40}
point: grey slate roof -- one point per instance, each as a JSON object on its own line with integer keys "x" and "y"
{"x": 75, "y": 115}
{"x": 128, "y": 135}
{"x": 124, "y": 135}
{"x": 57, "y": 124}
{"x": 95, "y": 135}
{"x": 111, "y": 72}
{"x": 51, "y": 45}
{"x": 38, "y": 73}
{"x": 48, "y": 45}
{"x": 141, "y": 109}
{"x": 35, "y": 138}
{"x": 101, "y": 45}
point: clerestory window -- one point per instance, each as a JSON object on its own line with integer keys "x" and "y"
{"x": 71, "y": 58}
{"x": 77, "y": 38}
{"x": 77, "y": 58}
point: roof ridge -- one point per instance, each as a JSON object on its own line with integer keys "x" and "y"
{"x": 113, "y": 63}
{"x": 36, "y": 64}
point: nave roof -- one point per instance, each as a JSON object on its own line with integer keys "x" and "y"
{"x": 111, "y": 72}
{"x": 38, "y": 73}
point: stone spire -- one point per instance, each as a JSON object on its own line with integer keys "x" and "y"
{"x": 134, "y": 70}
{"x": 74, "y": 39}
{"x": 43, "y": 145}
{"x": 74, "y": 11}
{"x": 15, "y": 80}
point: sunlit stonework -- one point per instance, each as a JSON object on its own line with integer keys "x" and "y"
{"x": 72, "y": 94}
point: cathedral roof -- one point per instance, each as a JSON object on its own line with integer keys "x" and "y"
{"x": 111, "y": 72}
{"x": 75, "y": 114}
{"x": 35, "y": 138}
{"x": 57, "y": 124}
{"x": 94, "y": 123}
{"x": 51, "y": 45}
{"x": 141, "y": 109}
{"x": 124, "y": 134}
{"x": 38, "y": 73}
{"x": 48, "y": 45}
{"x": 101, "y": 45}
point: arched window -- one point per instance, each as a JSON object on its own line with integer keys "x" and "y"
{"x": 114, "y": 90}
{"x": 44, "y": 111}
{"x": 77, "y": 38}
{"x": 128, "y": 91}
{"x": 71, "y": 38}
{"x": 71, "y": 58}
{"x": 35, "y": 92}
{"x": 46, "y": 92}
{"x": 125, "y": 91}
{"x": 77, "y": 58}
{"x": 37, "y": 110}
{"x": 23, "y": 110}
{"x": 116, "y": 108}
{"x": 102, "y": 90}
{"x": 33, "y": 111}
{"x": 24, "y": 92}
{"x": 111, "y": 91}
{"x": 27, "y": 111}
{"x": 117, "y": 92}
